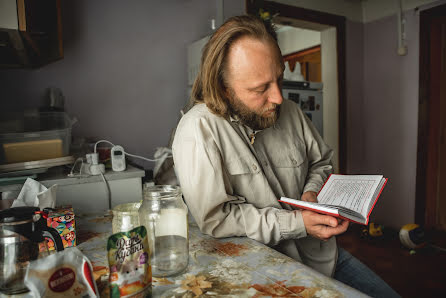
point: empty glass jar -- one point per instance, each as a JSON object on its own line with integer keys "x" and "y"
{"x": 125, "y": 217}
{"x": 164, "y": 215}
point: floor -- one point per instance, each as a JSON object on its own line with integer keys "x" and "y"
{"x": 420, "y": 273}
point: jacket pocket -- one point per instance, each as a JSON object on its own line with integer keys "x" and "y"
{"x": 242, "y": 165}
{"x": 288, "y": 158}
{"x": 290, "y": 167}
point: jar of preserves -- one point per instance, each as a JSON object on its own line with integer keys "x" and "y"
{"x": 164, "y": 214}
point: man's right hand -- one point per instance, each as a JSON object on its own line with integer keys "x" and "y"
{"x": 322, "y": 226}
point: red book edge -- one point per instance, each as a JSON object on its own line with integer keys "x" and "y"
{"x": 338, "y": 215}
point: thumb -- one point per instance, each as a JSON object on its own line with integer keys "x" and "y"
{"x": 329, "y": 221}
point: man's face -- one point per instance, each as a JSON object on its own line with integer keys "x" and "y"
{"x": 254, "y": 78}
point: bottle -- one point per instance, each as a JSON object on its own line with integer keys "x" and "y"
{"x": 164, "y": 214}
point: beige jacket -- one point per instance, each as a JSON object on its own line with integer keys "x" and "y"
{"x": 232, "y": 186}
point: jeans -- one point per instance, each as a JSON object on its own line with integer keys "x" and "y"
{"x": 355, "y": 274}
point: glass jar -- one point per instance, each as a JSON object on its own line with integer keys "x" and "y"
{"x": 125, "y": 217}
{"x": 22, "y": 240}
{"x": 164, "y": 215}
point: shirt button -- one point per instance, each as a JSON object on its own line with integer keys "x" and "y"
{"x": 294, "y": 161}
{"x": 254, "y": 167}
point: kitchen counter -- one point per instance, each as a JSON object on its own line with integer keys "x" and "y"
{"x": 236, "y": 266}
{"x": 80, "y": 192}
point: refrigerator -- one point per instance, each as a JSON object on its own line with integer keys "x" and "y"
{"x": 308, "y": 95}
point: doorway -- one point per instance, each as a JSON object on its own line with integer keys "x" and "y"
{"x": 332, "y": 29}
{"x": 431, "y": 158}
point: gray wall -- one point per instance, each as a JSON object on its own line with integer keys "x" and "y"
{"x": 124, "y": 71}
{"x": 390, "y": 115}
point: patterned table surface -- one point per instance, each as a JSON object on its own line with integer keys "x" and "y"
{"x": 231, "y": 267}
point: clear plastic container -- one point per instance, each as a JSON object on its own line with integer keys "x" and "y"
{"x": 34, "y": 136}
{"x": 164, "y": 215}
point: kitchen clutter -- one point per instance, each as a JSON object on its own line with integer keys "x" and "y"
{"x": 22, "y": 240}
{"x": 65, "y": 274}
{"x": 39, "y": 257}
{"x": 149, "y": 239}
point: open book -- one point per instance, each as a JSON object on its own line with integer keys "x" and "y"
{"x": 350, "y": 197}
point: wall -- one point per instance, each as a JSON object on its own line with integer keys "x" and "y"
{"x": 348, "y": 8}
{"x": 358, "y": 10}
{"x": 390, "y": 114}
{"x": 330, "y": 92}
{"x": 293, "y": 39}
{"x": 124, "y": 71}
{"x": 378, "y": 9}
{"x": 354, "y": 72}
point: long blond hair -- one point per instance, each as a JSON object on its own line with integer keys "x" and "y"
{"x": 210, "y": 85}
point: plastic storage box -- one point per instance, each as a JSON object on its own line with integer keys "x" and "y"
{"x": 34, "y": 136}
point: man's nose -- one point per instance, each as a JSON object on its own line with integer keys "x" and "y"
{"x": 275, "y": 94}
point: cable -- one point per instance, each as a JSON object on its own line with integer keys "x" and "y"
{"x": 148, "y": 159}
{"x": 74, "y": 165}
{"x": 107, "y": 188}
{"x": 102, "y": 141}
{"x": 126, "y": 153}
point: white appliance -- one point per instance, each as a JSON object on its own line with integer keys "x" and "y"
{"x": 308, "y": 95}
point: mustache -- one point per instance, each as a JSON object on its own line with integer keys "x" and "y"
{"x": 274, "y": 107}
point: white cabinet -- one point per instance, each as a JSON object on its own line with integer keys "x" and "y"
{"x": 90, "y": 194}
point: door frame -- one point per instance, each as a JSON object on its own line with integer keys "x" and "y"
{"x": 428, "y": 126}
{"x": 323, "y": 18}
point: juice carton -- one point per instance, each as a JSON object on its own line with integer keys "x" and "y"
{"x": 62, "y": 219}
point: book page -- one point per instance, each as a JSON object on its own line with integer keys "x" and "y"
{"x": 352, "y": 192}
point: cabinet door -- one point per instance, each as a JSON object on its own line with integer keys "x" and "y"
{"x": 310, "y": 63}
{"x": 37, "y": 39}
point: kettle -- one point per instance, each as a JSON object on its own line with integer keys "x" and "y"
{"x": 22, "y": 239}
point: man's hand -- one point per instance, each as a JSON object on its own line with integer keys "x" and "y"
{"x": 309, "y": 196}
{"x": 322, "y": 226}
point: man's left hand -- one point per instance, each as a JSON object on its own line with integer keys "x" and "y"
{"x": 309, "y": 196}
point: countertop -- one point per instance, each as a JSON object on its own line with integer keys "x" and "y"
{"x": 58, "y": 175}
{"x": 236, "y": 266}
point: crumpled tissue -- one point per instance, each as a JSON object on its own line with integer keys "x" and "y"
{"x": 34, "y": 194}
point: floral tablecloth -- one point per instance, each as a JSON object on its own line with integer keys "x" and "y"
{"x": 231, "y": 267}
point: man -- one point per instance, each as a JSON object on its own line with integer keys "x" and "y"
{"x": 242, "y": 146}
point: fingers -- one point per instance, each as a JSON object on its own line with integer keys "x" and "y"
{"x": 326, "y": 220}
{"x": 315, "y": 218}
{"x": 323, "y": 226}
{"x": 309, "y": 196}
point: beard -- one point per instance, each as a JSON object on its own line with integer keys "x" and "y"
{"x": 255, "y": 119}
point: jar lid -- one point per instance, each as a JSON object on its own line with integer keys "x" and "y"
{"x": 161, "y": 191}
{"x": 17, "y": 214}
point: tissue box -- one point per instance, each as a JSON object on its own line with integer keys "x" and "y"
{"x": 62, "y": 219}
